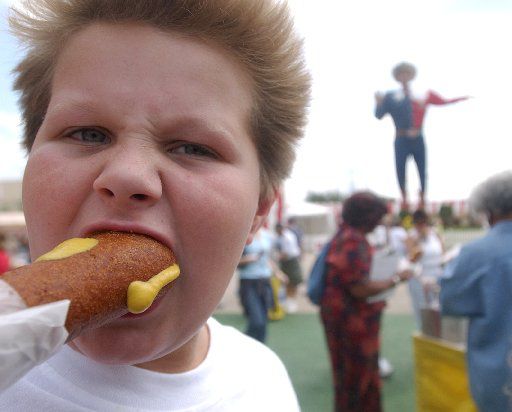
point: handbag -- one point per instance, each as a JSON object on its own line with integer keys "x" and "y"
{"x": 316, "y": 281}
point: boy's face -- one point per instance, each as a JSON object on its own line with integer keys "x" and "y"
{"x": 148, "y": 132}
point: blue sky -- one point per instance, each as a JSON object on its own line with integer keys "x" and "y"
{"x": 459, "y": 47}
{"x": 12, "y": 157}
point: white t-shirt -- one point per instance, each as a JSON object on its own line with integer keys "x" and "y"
{"x": 431, "y": 260}
{"x": 397, "y": 238}
{"x": 238, "y": 374}
{"x": 288, "y": 244}
{"x": 393, "y": 237}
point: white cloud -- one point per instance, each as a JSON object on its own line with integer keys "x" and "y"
{"x": 9, "y": 2}
{"x": 9, "y": 124}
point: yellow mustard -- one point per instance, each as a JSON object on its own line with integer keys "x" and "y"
{"x": 69, "y": 248}
{"x": 142, "y": 294}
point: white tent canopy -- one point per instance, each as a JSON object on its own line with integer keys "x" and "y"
{"x": 307, "y": 209}
{"x": 317, "y": 221}
{"x": 12, "y": 220}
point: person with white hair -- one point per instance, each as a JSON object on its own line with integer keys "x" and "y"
{"x": 478, "y": 285}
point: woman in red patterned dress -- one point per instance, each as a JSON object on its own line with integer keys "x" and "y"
{"x": 351, "y": 323}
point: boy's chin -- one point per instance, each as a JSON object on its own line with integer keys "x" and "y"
{"x": 116, "y": 347}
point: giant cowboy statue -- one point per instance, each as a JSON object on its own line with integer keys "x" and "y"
{"x": 408, "y": 111}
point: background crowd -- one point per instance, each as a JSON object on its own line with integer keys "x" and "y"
{"x": 471, "y": 281}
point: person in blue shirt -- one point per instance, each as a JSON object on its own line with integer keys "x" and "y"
{"x": 407, "y": 109}
{"x": 255, "y": 269}
{"x": 478, "y": 285}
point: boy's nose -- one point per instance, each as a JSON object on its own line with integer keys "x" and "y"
{"x": 128, "y": 181}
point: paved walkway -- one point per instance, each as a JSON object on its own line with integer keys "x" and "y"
{"x": 399, "y": 302}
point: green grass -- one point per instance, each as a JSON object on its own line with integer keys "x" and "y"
{"x": 299, "y": 341}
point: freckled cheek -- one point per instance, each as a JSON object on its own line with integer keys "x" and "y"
{"x": 214, "y": 219}
{"x": 224, "y": 202}
{"x": 211, "y": 247}
{"x": 53, "y": 189}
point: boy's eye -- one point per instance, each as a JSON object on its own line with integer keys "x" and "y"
{"x": 89, "y": 136}
{"x": 192, "y": 150}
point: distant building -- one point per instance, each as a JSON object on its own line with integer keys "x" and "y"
{"x": 317, "y": 222}
{"x": 10, "y": 195}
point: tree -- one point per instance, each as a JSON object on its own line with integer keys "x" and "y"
{"x": 446, "y": 215}
{"x": 325, "y": 197}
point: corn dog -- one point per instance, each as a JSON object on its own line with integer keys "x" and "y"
{"x": 95, "y": 274}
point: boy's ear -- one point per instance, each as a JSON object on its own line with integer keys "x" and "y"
{"x": 264, "y": 205}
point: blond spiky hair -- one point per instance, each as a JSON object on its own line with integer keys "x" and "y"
{"x": 259, "y": 33}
